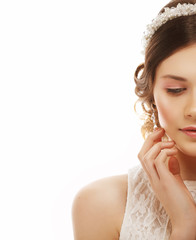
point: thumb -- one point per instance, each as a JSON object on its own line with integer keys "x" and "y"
{"x": 174, "y": 166}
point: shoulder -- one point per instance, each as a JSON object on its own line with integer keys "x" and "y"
{"x": 98, "y": 208}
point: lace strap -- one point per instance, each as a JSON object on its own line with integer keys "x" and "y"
{"x": 144, "y": 218}
{"x": 132, "y": 174}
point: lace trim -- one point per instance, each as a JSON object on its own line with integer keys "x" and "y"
{"x": 145, "y": 218}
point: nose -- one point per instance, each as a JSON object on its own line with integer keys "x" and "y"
{"x": 190, "y": 111}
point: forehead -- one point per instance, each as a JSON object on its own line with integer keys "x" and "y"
{"x": 182, "y": 63}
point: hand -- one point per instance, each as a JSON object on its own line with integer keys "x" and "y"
{"x": 166, "y": 182}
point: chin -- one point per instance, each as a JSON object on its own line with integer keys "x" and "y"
{"x": 186, "y": 148}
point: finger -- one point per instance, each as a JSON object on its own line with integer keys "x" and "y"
{"x": 151, "y": 165}
{"x": 156, "y": 149}
{"x": 174, "y": 166}
{"x": 150, "y": 170}
{"x": 159, "y": 139}
{"x": 148, "y": 160}
{"x": 150, "y": 141}
{"x": 161, "y": 160}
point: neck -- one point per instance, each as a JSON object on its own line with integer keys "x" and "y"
{"x": 187, "y": 166}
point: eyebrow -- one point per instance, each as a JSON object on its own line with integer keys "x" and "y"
{"x": 174, "y": 77}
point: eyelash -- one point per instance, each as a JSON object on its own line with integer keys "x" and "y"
{"x": 175, "y": 90}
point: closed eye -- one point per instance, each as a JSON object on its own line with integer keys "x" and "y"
{"x": 175, "y": 90}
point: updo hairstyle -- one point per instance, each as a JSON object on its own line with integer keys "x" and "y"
{"x": 169, "y": 38}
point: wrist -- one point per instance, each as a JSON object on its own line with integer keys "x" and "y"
{"x": 184, "y": 229}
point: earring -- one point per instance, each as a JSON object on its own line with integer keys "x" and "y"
{"x": 153, "y": 107}
{"x": 154, "y": 114}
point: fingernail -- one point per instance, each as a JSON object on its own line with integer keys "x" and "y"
{"x": 170, "y": 142}
{"x": 175, "y": 148}
{"x": 158, "y": 129}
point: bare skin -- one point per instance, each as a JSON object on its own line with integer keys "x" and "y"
{"x": 98, "y": 209}
{"x": 162, "y": 167}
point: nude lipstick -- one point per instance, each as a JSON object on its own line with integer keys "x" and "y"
{"x": 189, "y": 131}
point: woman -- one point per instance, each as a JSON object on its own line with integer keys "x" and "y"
{"x": 158, "y": 199}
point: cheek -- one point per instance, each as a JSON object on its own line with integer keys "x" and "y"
{"x": 166, "y": 114}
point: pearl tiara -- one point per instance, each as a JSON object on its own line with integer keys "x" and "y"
{"x": 169, "y": 14}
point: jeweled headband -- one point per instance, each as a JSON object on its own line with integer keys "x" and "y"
{"x": 169, "y": 14}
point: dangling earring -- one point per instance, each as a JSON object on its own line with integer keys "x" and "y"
{"x": 153, "y": 107}
{"x": 154, "y": 113}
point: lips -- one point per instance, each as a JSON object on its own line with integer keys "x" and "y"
{"x": 189, "y": 131}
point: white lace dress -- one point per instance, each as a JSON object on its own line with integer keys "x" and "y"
{"x": 145, "y": 218}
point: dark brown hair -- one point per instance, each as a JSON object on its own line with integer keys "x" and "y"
{"x": 170, "y": 37}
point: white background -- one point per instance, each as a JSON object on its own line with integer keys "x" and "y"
{"x": 66, "y": 105}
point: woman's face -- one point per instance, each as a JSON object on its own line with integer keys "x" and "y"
{"x": 175, "y": 97}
